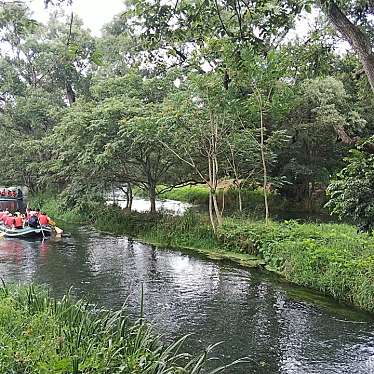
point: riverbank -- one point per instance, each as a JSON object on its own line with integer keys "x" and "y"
{"x": 40, "y": 334}
{"x": 331, "y": 258}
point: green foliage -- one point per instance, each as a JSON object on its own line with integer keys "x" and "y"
{"x": 331, "y": 258}
{"x": 351, "y": 193}
{"x": 253, "y": 199}
{"x": 40, "y": 334}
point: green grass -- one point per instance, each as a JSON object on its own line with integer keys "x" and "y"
{"x": 54, "y": 207}
{"x": 191, "y": 231}
{"x": 252, "y": 199}
{"x": 331, "y": 258}
{"x": 39, "y": 334}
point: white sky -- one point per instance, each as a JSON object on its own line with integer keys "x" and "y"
{"x": 94, "y": 13}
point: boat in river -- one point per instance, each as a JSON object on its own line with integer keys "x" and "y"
{"x": 10, "y": 198}
{"x": 26, "y": 232}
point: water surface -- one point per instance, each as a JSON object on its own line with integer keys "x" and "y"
{"x": 282, "y": 329}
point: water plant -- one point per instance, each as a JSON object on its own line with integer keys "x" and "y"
{"x": 40, "y": 334}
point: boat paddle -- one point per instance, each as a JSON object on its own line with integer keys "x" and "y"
{"x": 41, "y": 228}
{"x": 59, "y": 231}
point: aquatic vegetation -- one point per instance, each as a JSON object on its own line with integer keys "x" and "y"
{"x": 39, "y": 334}
{"x": 331, "y": 258}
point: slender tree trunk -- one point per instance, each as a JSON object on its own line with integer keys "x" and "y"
{"x": 223, "y": 201}
{"x": 70, "y": 94}
{"x": 263, "y": 158}
{"x": 130, "y": 197}
{"x": 240, "y": 199}
{"x": 216, "y": 209}
{"x": 211, "y": 211}
{"x": 358, "y": 40}
{"x": 152, "y": 197}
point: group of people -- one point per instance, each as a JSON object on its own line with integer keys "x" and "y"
{"x": 13, "y": 193}
{"x": 32, "y": 218}
{"x": 8, "y": 193}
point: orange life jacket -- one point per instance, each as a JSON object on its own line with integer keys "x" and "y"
{"x": 43, "y": 220}
{"x": 18, "y": 222}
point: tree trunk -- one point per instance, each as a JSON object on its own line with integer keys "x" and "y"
{"x": 216, "y": 209}
{"x": 223, "y": 201}
{"x": 240, "y": 199}
{"x": 211, "y": 211}
{"x": 130, "y": 197}
{"x": 70, "y": 94}
{"x": 152, "y": 197}
{"x": 262, "y": 148}
{"x": 358, "y": 40}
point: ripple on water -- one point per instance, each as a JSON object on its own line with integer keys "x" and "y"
{"x": 281, "y": 328}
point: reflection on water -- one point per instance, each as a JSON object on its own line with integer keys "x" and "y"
{"x": 254, "y": 315}
{"x": 170, "y": 206}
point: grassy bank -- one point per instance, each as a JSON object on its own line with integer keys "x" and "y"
{"x": 191, "y": 231}
{"x": 252, "y": 199}
{"x": 41, "y": 335}
{"x": 331, "y": 258}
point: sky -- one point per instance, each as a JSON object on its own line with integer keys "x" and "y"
{"x": 94, "y": 13}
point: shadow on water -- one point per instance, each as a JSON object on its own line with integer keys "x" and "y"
{"x": 281, "y": 328}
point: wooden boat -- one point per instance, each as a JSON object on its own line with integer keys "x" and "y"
{"x": 9, "y": 198}
{"x": 26, "y": 232}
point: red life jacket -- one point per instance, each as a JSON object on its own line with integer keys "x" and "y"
{"x": 43, "y": 219}
{"x": 9, "y": 221}
{"x": 18, "y": 222}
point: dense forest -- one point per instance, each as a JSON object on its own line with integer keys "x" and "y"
{"x": 192, "y": 91}
{"x": 248, "y": 109}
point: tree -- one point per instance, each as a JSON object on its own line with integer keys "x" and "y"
{"x": 351, "y": 192}
{"x": 355, "y": 27}
{"x": 320, "y": 117}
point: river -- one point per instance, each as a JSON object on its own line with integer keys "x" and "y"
{"x": 281, "y": 328}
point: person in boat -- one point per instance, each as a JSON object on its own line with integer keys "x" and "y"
{"x": 9, "y": 222}
{"x": 14, "y": 194}
{"x": 44, "y": 219}
{"x": 3, "y": 193}
{"x": 4, "y": 217}
{"x": 19, "y": 193}
{"x": 33, "y": 220}
{"x": 18, "y": 221}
